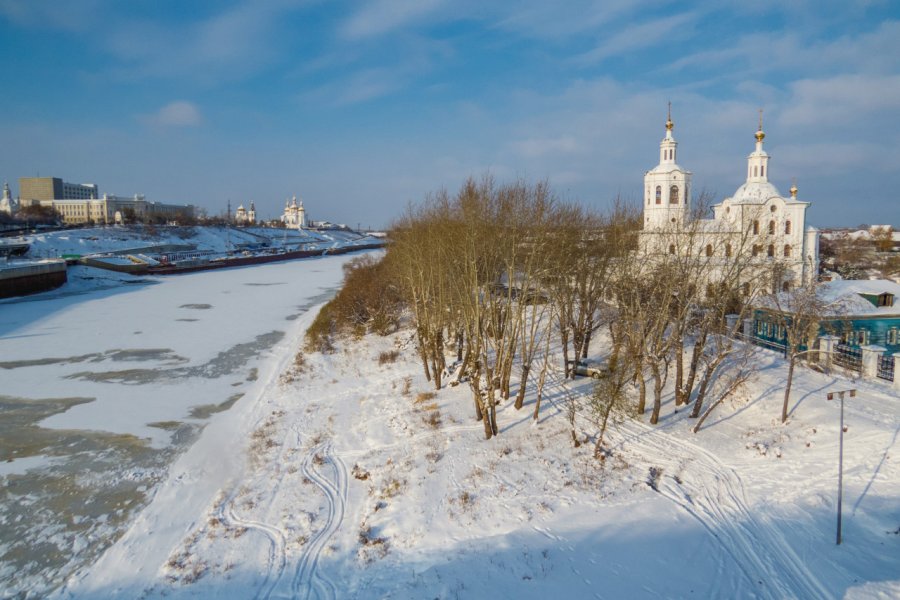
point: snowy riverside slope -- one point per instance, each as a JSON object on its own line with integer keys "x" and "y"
{"x": 344, "y": 476}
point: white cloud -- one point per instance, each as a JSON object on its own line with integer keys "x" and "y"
{"x": 179, "y": 113}
{"x": 538, "y": 147}
{"x": 383, "y": 16}
{"x": 800, "y": 50}
{"x": 66, "y": 16}
{"x": 643, "y": 35}
{"x": 833, "y": 102}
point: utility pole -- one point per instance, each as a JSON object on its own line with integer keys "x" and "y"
{"x": 841, "y": 457}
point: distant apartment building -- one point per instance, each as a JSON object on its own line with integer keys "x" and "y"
{"x": 54, "y": 188}
{"x": 80, "y": 203}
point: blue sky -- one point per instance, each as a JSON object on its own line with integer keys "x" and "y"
{"x": 363, "y": 107}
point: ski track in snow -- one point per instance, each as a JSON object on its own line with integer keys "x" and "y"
{"x": 275, "y": 536}
{"x": 714, "y": 495}
{"x": 307, "y": 577}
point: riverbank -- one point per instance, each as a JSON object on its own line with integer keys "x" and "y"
{"x": 348, "y": 477}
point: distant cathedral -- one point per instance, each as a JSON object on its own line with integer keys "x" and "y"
{"x": 294, "y": 214}
{"x": 245, "y": 217}
{"x": 756, "y": 221}
{"x": 8, "y": 204}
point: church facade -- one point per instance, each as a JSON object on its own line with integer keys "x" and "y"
{"x": 756, "y": 223}
{"x": 294, "y": 214}
{"x": 245, "y": 216}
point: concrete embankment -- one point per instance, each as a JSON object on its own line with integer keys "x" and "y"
{"x": 30, "y": 277}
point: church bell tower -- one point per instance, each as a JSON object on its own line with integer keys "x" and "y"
{"x": 666, "y": 186}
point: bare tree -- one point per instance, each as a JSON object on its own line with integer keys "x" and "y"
{"x": 797, "y": 314}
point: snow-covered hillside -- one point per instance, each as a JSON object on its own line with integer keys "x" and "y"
{"x": 348, "y": 477}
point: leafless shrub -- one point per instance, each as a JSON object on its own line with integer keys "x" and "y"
{"x": 368, "y": 538}
{"x": 360, "y": 473}
{"x": 392, "y": 488}
{"x": 425, "y": 397}
{"x": 433, "y": 419}
{"x": 390, "y": 356}
{"x": 372, "y": 546}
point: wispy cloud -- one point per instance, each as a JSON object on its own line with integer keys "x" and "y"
{"x": 66, "y": 16}
{"x": 637, "y": 37}
{"x": 546, "y": 20}
{"x": 179, "y": 113}
{"x": 785, "y": 51}
{"x": 836, "y": 101}
{"x": 383, "y": 16}
{"x": 538, "y": 147}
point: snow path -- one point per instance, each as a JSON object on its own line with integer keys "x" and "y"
{"x": 713, "y": 493}
{"x": 307, "y": 577}
{"x": 274, "y": 535}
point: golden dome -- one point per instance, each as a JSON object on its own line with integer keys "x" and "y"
{"x": 794, "y": 191}
{"x": 760, "y": 134}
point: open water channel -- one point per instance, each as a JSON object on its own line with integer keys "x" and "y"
{"x": 101, "y": 390}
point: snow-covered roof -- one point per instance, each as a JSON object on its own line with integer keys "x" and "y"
{"x": 667, "y": 168}
{"x": 845, "y": 298}
{"x": 755, "y": 192}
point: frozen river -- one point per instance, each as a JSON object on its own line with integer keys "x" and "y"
{"x": 100, "y": 390}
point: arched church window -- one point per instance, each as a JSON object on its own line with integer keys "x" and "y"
{"x": 787, "y": 250}
{"x": 727, "y": 249}
{"x": 786, "y": 286}
{"x": 673, "y": 195}
{"x": 787, "y": 227}
{"x": 709, "y": 250}
{"x": 762, "y": 171}
{"x": 771, "y": 227}
{"x": 671, "y": 248}
{"x": 755, "y": 227}
{"x": 659, "y": 194}
{"x": 755, "y": 171}
{"x": 770, "y": 251}
{"x": 756, "y": 249}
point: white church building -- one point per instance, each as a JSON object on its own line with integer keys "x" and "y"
{"x": 756, "y": 221}
{"x": 294, "y": 214}
{"x": 243, "y": 216}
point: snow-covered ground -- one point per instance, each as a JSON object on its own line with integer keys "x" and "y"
{"x": 343, "y": 476}
{"x": 106, "y": 380}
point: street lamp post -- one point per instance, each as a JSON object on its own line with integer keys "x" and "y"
{"x": 841, "y": 458}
